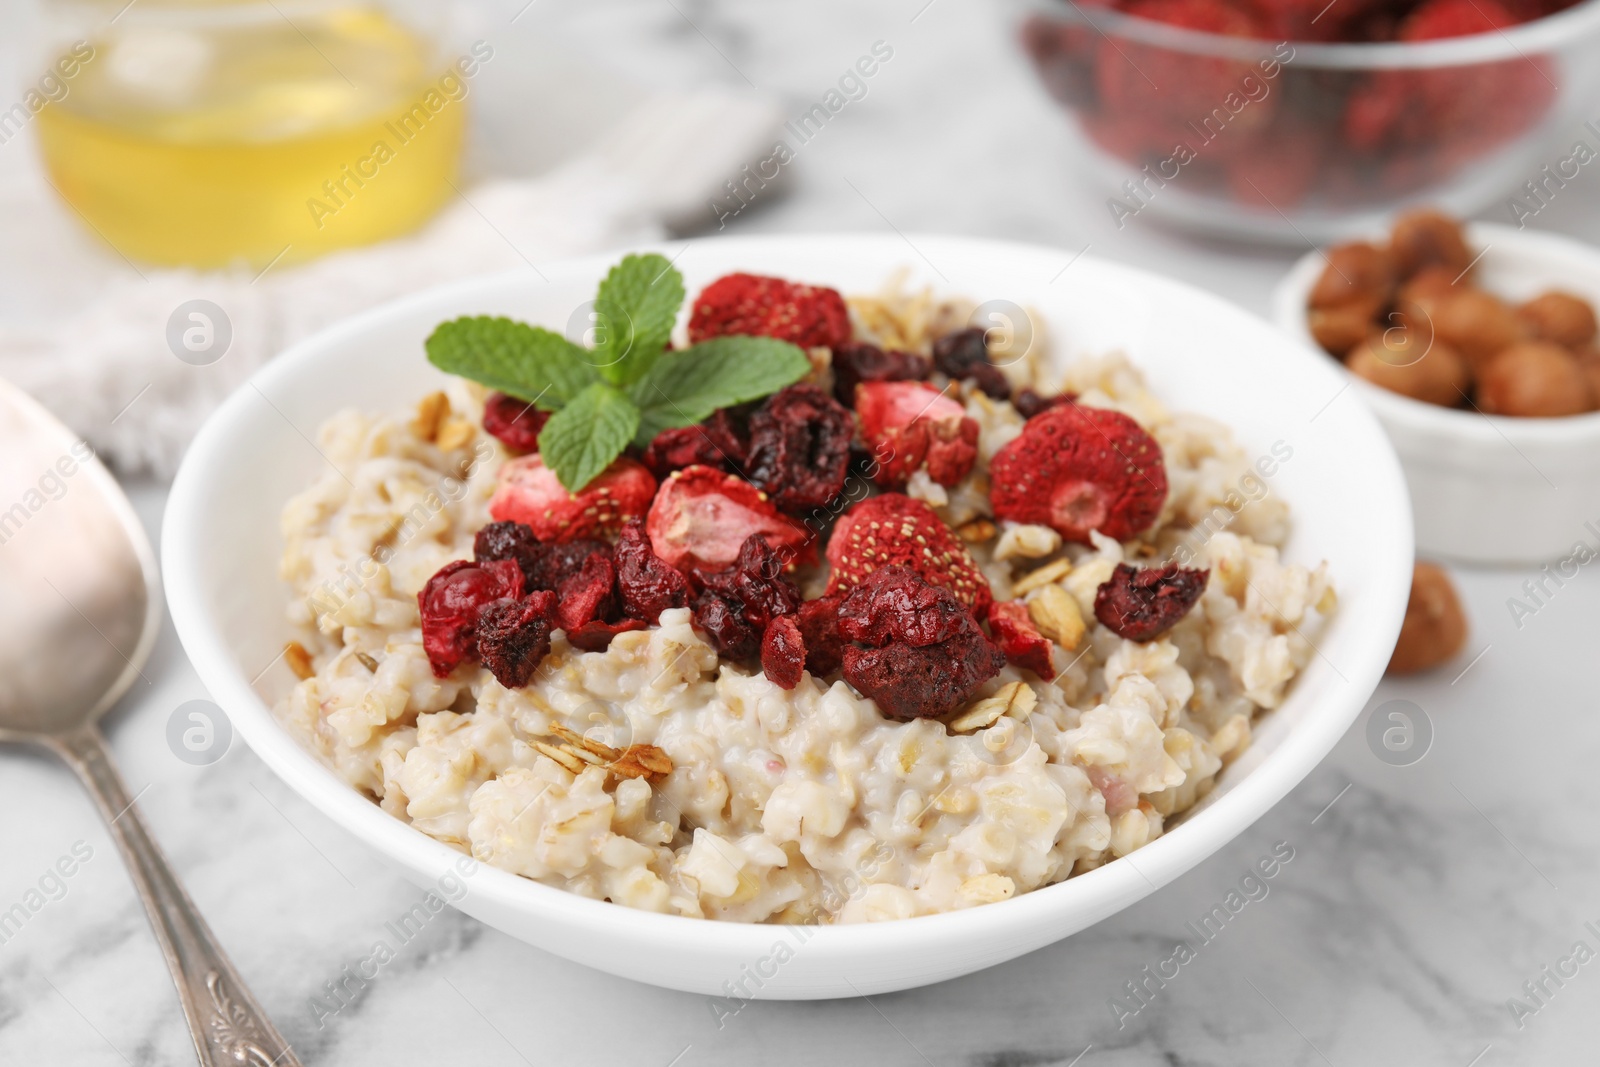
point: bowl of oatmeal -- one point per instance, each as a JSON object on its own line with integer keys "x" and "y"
{"x": 902, "y": 616}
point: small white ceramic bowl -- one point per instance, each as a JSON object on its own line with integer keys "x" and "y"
{"x": 220, "y": 550}
{"x": 1487, "y": 488}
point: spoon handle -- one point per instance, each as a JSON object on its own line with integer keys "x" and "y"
{"x": 227, "y": 1024}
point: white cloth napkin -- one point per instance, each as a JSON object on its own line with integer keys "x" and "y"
{"x": 107, "y": 369}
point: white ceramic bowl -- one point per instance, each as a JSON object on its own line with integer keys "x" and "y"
{"x": 1487, "y": 488}
{"x": 220, "y": 550}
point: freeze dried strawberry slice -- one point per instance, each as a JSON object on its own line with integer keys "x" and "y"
{"x": 701, "y": 517}
{"x": 894, "y": 529}
{"x": 894, "y": 603}
{"x": 1078, "y": 469}
{"x": 529, "y": 493}
{"x": 750, "y": 304}
{"x": 1141, "y": 603}
{"x": 909, "y": 425}
{"x": 451, "y": 601}
{"x": 515, "y": 422}
{"x": 1020, "y": 639}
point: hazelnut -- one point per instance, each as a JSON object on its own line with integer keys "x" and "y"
{"x": 1559, "y": 318}
{"x": 1535, "y": 379}
{"x": 1354, "y": 271}
{"x": 1437, "y": 376}
{"x": 1422, "y": 295}
{"x": 1341, "y": 327}
{"x": 1589, "y": 363}
{"x": 1435, "y": 627}
{"x": 1477, "y": 324}
{"x": 1426, "y": 238}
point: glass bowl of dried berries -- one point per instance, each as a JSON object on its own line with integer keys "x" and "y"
{"x": 1294, "y": 119}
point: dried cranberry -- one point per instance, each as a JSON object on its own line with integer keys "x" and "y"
{"x": 800, "y": 447}
{"x": 965, "y": 354}
{"x": 755, "y": 585}
{"x": 514, "y": 636}
{"x": 860, "y": 362}
{"x": 588, "y": 595}
{"x": 783, "y": 652}
{"x": 596, "y": 636}
{"x": 716, "y": 442}
{"x": 819, "y": 629}
{"x": 1140, "y": 603}
{"x": 516, "y": 422}
{"x": 1029, "y": 403}
{"x": 894, "y": 603}
{"x": 450, "y": 603}
{"x": 647, "y": 584}
{"x": 1020, "y": 639}
{"x": 919, "y": 683}
{"x": 725, "y": 624}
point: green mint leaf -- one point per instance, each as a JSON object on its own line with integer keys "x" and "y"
{"x": 682, "y": 388}
{"x": 588, "y": 433}
{"x": 528, "y": 362}
{"x": 634, "y": 311}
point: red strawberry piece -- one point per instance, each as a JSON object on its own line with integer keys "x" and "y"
{"x": 1078, "y": 469}
{"x": 809, "y": 316}
{"x": 908, "y": 425}
{"x": 1141, "y": 603}
{"x": 800, "y": 448}
{"x": 783, "y": 652}
{"x": 589, "y": 595}
{"x": 1019, "y": 639}
{"x": 514, "y": 636}
{"x": 818, "y": 621}
{"x": 648, "y": 584}
{"x": 893, "y": 603}
{"x": 859, "y": 362}
{"x": 450, "y": 603}
{"x": 702, "y": 516}
{"x": 596, "y": 636}
{"x": 515, "y": 422}
{"x": 529, "y": 493}
{"x": 716, "y": 442}
{"x": 891, "y": 529}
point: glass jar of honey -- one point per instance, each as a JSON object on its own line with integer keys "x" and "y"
{"x": 208, "y": 133}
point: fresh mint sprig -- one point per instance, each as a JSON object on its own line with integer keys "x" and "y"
{"x": 625, "y": 389}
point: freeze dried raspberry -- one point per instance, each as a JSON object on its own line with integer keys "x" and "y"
{"x": 783, "y": 652}
{"x": 530, "y": 493}
{"x": 515, "y": 422}
{"x": 1140, "y": 603}
{"x": 922, "y": 683}
{"x": 805, "y": 315}
{"x": 895, "y": 604}
{"x": 800, "y": 447}
{"x": 914, "y": 425}
{"x": 819, "y": 629}
{"x": 588, "y": 596}
{"x": 894, "y": 529}
{"x": 647, "y": 584}
{"x": 1029, "y": 403}
{"x": 965, "y": 354}
{"x": 702, "y": 516}
{"x": 723, "y": 622}
{"x": 449, "y": 605}
{"x": 596, "y": 636}
{"x": 543, "y": 566}
{"x": 514, "y": 636}
{"x": 859, "y": 362}
{"x": 716, "y": 442}
{"x": 1020, "y": 639}
{"x": 1078, "y": 469}
{"x": 755, "y": 585}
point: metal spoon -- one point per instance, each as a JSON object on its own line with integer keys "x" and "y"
{"x": 81, "y": 602}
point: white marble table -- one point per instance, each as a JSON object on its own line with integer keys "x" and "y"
{"x": 1419, "y": 899}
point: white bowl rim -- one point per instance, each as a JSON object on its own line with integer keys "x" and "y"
{"x": 1100, "y": 892}
{"x": 1288, "y": 312}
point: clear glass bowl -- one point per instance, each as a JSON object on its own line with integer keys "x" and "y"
{"x": 1313, "y": 141}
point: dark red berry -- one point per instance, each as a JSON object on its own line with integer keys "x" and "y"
{"x": 589, "y": 595}
{"x": 894, "y": 603}
{"x": 783, "y": 652}
{"x": 717, "y": 442}
{"x": 449, "y": 605}
{"x": 800, "y": 448}
{"x": 596, "y": 636}
{"x": 647, "y": 584}
{"x": 819, "y": 629}
{"x": 515, "y": 422}
{"x": 1020, "y": 639}
{"x": 918, "y": 683}
{"x": 755, "y": 585}
{"x": 1029, "y": 403}
{"x": 544, "y": 566}
{"x": 514, "y": 636}
{"x": 860, "y": 362}
{"x": 965, "y": 354}
{"x": 1140, "y": 603}
{"x": 725, "y": 624}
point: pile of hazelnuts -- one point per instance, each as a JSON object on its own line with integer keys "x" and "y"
{"x": 1406, "y": 316}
